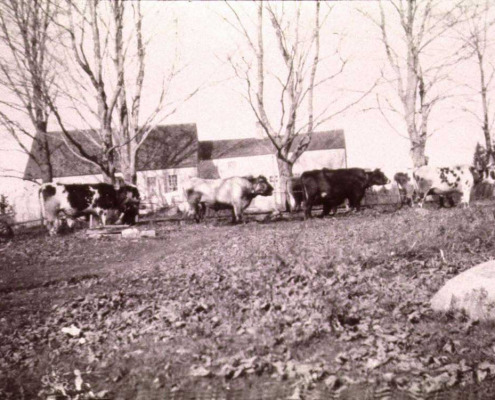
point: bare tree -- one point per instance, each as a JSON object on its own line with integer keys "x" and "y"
{"x": 110, "y": 59}
{"x": 296, "y": 78}
{"x": 415, "y": 73}
{"x": 87, "y": 35}
{"x": 26, "y": 75}
{"x": 132, "y": 128}
{"x": 475, "y": 35}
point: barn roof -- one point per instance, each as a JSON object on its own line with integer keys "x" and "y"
{"x": 232, "y": 148}
{"x": 167, "y": 146}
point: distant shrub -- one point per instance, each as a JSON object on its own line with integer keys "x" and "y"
{"x": 5, "y": 206}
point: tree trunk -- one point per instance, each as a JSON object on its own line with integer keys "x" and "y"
{"x": 418, "y": 153}
{"x": 108, "y": 155}
{"x": 128, "y": 164}
{"x": 484, "y": 103}
{"x": 417, "y": 139}
{"x": 285, "y": 173}
{"x": 44, "y": 160}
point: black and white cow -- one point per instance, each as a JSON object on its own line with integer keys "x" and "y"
{"x": 66, "y": 202}
{"x": 445, "y": 181}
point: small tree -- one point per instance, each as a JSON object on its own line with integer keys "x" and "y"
{"x": 5, "y": 206}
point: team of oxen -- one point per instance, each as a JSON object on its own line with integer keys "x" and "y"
{"x": 329, "y": 188}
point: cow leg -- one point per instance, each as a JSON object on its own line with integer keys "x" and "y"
{"x": 52, "y": 227}
{"x": 202, "y": 211}
{"x": 422, "y": 198}
{"x": 237, "y": 214}
{"x": 326, "y": 210}
{"x": 355, "y": 202}
{"x": 71, "y": 222}
{"x": 198, "y": 212}
{"x": 466, "y": 194}
{"x": 451, "y": 201}
{"x": 307, "y": 208}
{"x": 103, "y": 217}
{"x": 91, "y": 221}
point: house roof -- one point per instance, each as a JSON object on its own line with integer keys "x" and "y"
{"x": 232, "y": 148}
{"x": 167, "y": 146}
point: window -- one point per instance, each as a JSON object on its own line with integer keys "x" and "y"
{"x": 172, "y": 183}
{"x": 151, "y": 185}
{"x": 273, "y": 179}
{"x": 151, "y": 181}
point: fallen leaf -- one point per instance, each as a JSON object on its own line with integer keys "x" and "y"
{"x": 72, "y": 330}
{"x": 199, "y": 371}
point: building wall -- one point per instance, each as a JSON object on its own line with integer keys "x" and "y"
{"x": 157, "y": 187}
{"x": 318, "y": 159}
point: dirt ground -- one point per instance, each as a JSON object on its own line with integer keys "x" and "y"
{"x": 275, "y": 309}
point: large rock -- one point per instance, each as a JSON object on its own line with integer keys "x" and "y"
{"x": 473, "y": 290}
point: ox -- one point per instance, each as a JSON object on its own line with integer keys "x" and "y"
{"x": 65, "y": 202}
{"x": 234, "y": 193}
{"x": 407, "y": 188}
{"x": 332, "y": 187}
{"x": 445, "y": 181}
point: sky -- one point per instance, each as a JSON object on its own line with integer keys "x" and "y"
{"x": 205, "y": 42}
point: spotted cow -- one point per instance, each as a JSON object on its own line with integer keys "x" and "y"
{"x": 65, "y": 202}
{"x": 446, "y": 181}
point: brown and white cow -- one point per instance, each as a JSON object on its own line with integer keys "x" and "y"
{"x": 234, "y": 193}
{"x": 65, "y": 202}
{"x": 445, "y": 181}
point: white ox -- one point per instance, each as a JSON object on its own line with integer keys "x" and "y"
{"x": 444, "y": 181}
{"x": 234, "y": 193}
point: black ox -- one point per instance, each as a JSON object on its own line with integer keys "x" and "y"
{"x": 331, "y": 187}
